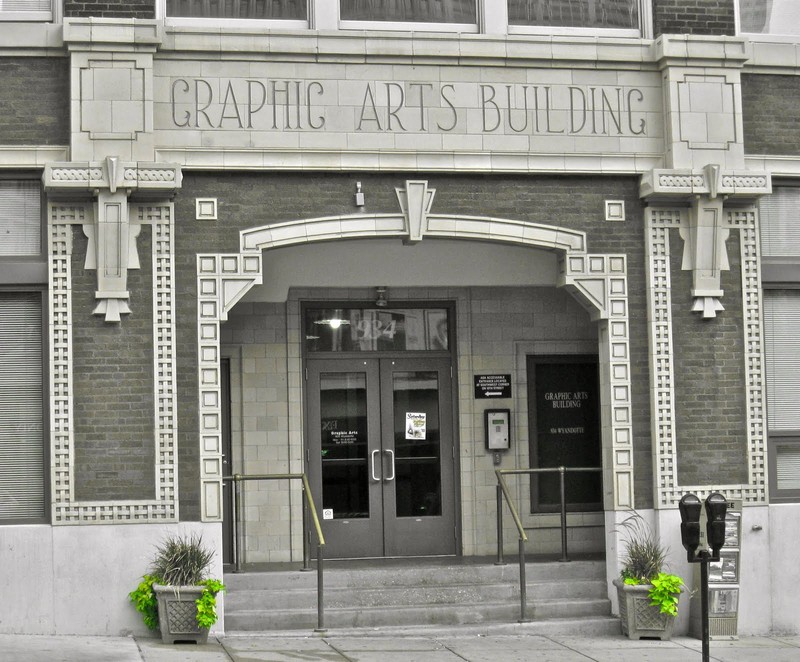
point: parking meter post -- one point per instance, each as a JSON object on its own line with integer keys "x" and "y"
{"x": 690, "y": 509}
{"x": 704, "y": 603}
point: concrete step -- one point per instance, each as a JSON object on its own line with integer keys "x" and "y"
{"x": 425, "y": 594}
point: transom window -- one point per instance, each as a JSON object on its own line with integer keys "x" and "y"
{"x": 769, "y": 17}
{"x": 376, "y": 329}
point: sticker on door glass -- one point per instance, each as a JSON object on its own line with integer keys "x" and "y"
{"x": 327, "y": 513}
{"x": 415, "y": 425}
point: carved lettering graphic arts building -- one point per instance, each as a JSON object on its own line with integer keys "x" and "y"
{"x": 300, "y": 242}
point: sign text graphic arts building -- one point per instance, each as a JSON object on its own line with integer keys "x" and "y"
{"x": 528, "y": 107}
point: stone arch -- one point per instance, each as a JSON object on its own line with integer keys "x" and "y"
{"x": 598, "y": 282}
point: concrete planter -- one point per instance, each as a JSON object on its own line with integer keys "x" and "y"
{"x": 177, "y": 614}
{"x": 638, "y": 617}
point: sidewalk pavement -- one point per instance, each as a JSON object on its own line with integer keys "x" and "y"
{"x": 398, "y": 645}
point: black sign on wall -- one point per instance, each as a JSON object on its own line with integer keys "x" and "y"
{"x": 564, "y": 419}
{"x": 492, "y": 386}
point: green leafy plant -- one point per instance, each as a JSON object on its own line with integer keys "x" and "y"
{"x": 179, "y": 561}
{"x": 665, "y": 592}
{"x": 643, "y": 562}
{"x": 145, "y": 601}
{"x": 207, "y": 602}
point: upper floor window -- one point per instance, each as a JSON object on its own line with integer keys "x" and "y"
{"x": 26, "y": 10}
{"x": 20, "y": 218}
{"x": 774, "y": 17}
{"x": 593, "y": 14}
{"x": 626, "y": 18}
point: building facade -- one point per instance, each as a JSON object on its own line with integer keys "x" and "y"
{"x": 394, "y": 246}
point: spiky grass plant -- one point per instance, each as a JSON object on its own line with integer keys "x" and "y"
{"x": 182, "y": 561}
{"x": 644, "y": 555}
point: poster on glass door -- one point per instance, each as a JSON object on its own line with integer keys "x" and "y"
{"x": 415, "y": 425}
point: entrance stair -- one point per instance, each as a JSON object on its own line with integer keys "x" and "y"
{"x": 568, "y": 598}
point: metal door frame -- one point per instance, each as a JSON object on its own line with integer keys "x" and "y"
{"x": 376, "y": 367}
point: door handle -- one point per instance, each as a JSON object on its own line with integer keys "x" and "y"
{"x": 374, "y": 477}
{"x": 391, "y": 457}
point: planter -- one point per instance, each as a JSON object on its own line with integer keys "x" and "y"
{"x": 177, "y": 614}
{"x": 638, "y": 617}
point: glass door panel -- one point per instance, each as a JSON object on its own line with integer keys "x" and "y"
{"x": 380, "y": 455}
{"x": 419, "y": 503}
{"x": 416, "y": 444}
{"x": 343, "y": 438}
{"x": 344, "y": 454}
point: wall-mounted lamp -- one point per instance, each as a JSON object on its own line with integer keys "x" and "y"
{"x": 359, "y": 195}
{"x": 381, "y": 301}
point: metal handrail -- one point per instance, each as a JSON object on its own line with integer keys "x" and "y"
{"x": 503, "y": 491}
{"x": 308, "y": 508}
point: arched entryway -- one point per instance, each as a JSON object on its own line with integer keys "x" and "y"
{"x": 598, "y": 282}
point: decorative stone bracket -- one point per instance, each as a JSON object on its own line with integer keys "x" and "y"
{"x": 704, "y": 230}
{"x": 112, "y": 235}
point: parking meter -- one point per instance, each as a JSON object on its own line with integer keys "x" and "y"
{"x": 716, "y": 508}
{"x": 690, "y": 507}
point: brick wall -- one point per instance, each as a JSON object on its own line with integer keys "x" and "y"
{"x": 698, "y": 17}
{"x": 110, "y": 9}
{"x": 771, "y": 114}
{"x": 113, "y": 385}
{"x": 709, "y": 378}
{"x": 34, "y": 100}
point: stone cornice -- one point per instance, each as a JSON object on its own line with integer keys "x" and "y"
{"x": 409, "y": 48}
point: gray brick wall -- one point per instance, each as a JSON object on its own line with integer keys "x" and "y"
{"x": 34, "y": 101}
{"x": 113, "y": 385}
{"x": 698, "y": 17}
{"x": 710, "y": 405}
{"x": 771, "y": 114}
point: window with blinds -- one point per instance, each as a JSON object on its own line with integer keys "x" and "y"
{"x": 22, "y": 468}
{"x": 782, "y": 354}
{"x": 20, "y": 218}
{"x": 25, "y": 10}
{"x": 780, "y": 223}
{"x": 779, "y": 216}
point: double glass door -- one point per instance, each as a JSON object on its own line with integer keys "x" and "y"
{"x": 380, "y": 455}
